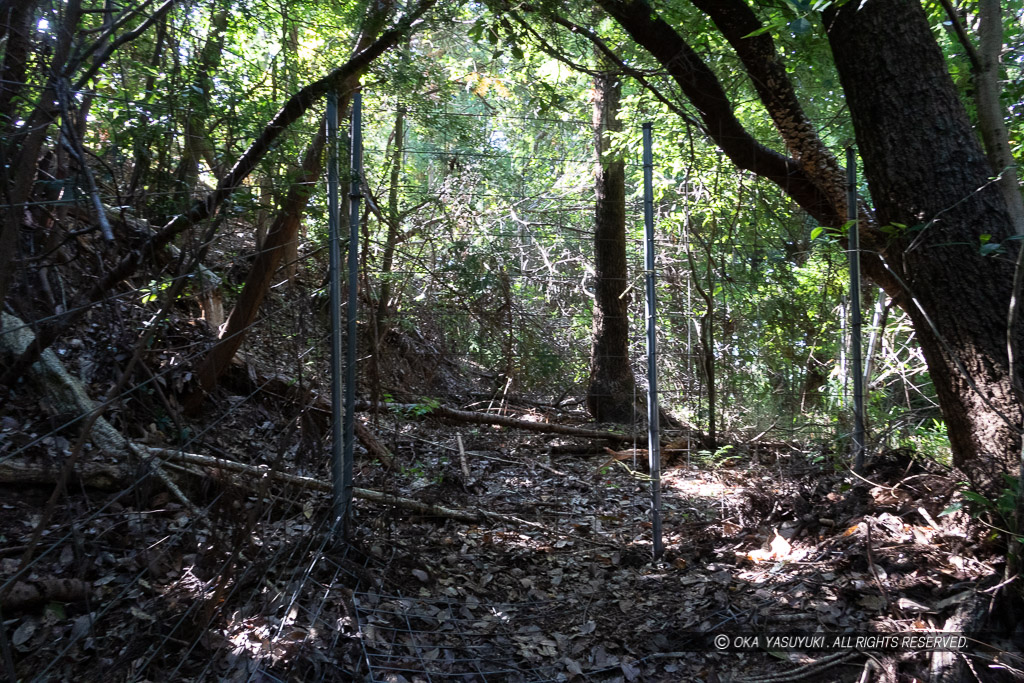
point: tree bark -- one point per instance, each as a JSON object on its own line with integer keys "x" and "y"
{"x": 611, "y": 393}
{"x": 706, "y": 335}
{"x": 991, "y": 114}
{"x": 197, "y": 144}
{"x": 284, "y": 229}
{"x": 925, "y": 169}
{"x": 17, "y": 28}
{"x": 702, "y": 88}
{"x": 394, "y": 223}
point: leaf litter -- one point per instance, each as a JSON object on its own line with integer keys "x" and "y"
{"x": 573, "y": 593}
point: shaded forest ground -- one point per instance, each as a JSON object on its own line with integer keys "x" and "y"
{"x": 149, "y": 567}
{"x": 129, "y": 583}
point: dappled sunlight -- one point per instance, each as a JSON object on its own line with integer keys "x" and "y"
{"x": 693, "y": 484}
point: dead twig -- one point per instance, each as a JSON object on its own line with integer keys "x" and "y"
{"x": 419, "y": 507}
{"x": 805, "y": 671}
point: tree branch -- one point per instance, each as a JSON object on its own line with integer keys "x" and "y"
{"x": 610, "y": 54}
{"x": 294, "y": 108}
{"x": 961, "y": 34}
{"x": 121, "y": 40}
{"x": 737, "y": 22}
{"x": 703, "y": 89}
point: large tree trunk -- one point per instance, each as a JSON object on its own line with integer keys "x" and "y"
{"x": 610, "y": 396}
{"x": 926, "y": 170}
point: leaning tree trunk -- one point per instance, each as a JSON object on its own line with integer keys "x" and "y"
{"x": 201, "y": 209}
{"x": 275, "y": 247}
{"x": 926, "y": 170}
{"x": 285, "y": 229}
{"x": 610, "y": 396}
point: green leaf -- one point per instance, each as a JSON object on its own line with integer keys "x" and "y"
{"x": 978, "y": 498}
{"x": 955, "y": 507}
{"x": 816, "y": 233}
{"x": 774, "y": 26}
{"x": 800, "y": 26}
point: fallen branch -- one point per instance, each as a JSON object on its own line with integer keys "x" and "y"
{"x": 465, "y": 416}
{"x": 64, "y": 394}
{"x": 417, "y": 506}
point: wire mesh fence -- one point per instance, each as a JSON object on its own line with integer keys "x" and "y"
{"x": 198, "y": 546}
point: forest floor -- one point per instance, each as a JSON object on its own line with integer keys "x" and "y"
{"x": 164, "y": 570}
{"x": 563, "y": 586}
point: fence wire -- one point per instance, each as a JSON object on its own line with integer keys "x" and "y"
{"x": 235, "y": 576}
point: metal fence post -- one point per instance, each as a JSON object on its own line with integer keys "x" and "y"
{"x": 355, "y": 194}
{"x": 653, "y": 431}
{"x": 855, "y": 316}
{"x": 334, "y": 254}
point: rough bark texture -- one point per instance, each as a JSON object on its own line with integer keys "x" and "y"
{"x": 925, "y": 168}
{"x": 700, "y": 85}
{"x": 768, "y": 75}
{"x": 610, "y": 396}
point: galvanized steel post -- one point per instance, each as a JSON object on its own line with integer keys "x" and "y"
{"x": 653, "y": 431}
{"x": 855, "y": 316}
{"x": 334, "y": 256}
{"x": 355, "y": 194}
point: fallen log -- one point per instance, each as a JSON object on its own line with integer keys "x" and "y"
{"x": 284, "y": 387}
{"x": 112, "y": 475}
{"x": 467, "y": 417}
{"x": 419, "y": 507}
{"x": 95, "y": 475}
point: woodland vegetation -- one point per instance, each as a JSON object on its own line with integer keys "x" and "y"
{"x": 165, "y": 371}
